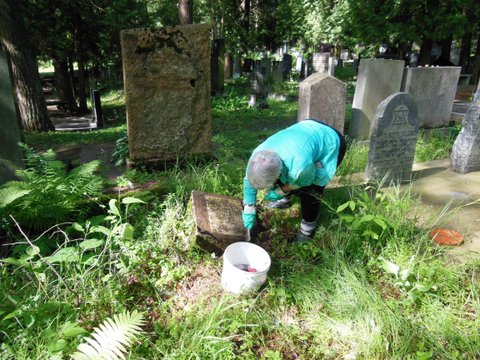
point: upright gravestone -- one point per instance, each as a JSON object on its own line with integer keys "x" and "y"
{"x": 323, "y": 97}
{"x": 377, "y": 79}
{"x": 331, "y": 65}
{"x": 287, "y": 66}
{"x": 393, "y": 139}
{"x": 167, "y": 92}
{"x": 320, "y": 62}
{"x": 433, "y": 89}
{"x": 465, "y": 155}
{"x": 258, "y": 90}
{"x": 11, "y": 157}
{"x": 277, "y": 71}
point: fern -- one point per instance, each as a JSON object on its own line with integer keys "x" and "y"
{"x": 110, "y": 340}
{"x": 15, "y": 190}
{"x": 47, "y": 193}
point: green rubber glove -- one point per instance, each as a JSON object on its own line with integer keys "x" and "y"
{"x": 275, "y": 194}
{"x": 248, "y": 215}
{"x": 248, "y": 220}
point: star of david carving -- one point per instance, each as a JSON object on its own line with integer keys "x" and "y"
{"x": 400, "y": 115}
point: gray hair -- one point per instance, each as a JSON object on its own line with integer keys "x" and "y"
{"x": 264, "y": 169}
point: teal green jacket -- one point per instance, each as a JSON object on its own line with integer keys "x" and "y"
{"x": 309, "y": 151}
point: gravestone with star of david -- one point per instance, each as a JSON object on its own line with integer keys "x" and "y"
{"x": 393, "y": 139}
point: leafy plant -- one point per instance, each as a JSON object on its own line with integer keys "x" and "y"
{"x": 47, "y": 193}
{"x": 120, "y": 153}
{"x": 404, "y": 278}
{"x": 111, "y": 338}
{"x": 364, "y": 215}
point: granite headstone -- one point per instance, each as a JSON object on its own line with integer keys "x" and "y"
{"x": 323, "y": 97}
{"x": 433, "y": 89}
{"x": 393, "y": 140}
{"x": 11, "y": 156}
{"x": 167, "y": 92}
{"x": 377, "y": 79}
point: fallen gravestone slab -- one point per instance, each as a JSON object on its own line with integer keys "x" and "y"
{"x": 218, "y": 219}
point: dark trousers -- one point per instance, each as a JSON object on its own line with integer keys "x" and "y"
{"x": 310, "y": 195}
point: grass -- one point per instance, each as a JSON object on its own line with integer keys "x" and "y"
{"x": 369, "y": 289}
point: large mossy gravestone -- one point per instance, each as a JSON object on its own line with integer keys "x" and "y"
{"x": 393, "y": 139}
{"x": 11, "y": 157}
{"x": 218, "y": 219}
{"x": 323, "y": 97}
{"x": 167, "y": 92}
{"x": 377, "y": 79}
{"x": 465, "y": 155}
{"x": 433, "y": 89}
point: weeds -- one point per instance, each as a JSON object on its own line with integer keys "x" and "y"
{"x": 370, "y": 285}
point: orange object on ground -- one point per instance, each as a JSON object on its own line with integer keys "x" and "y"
{"x": 446, "y": 237}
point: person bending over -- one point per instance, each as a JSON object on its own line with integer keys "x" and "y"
{"x": 299, "y": 160}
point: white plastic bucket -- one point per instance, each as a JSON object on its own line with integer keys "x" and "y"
{"x": 238, "y": 281}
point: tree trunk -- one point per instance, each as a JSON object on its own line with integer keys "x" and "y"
{"x": 63, "y": 84}
{"x": 426, "y": 53}
{"x": 82, "y": 85}
{"x": 446, "y": 48}
{"x": 185, "y": 11}
{"x": 465, "y": 51}
{"x": 31, "y": 101}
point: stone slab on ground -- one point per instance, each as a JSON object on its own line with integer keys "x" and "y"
{"x": 72, "y": 123}
{"x": 218, "y": 219}
{"x": 441, "y": 189}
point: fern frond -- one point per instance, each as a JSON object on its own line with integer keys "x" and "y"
{"x": 111, "y": 339}
{"x": 86, "y": 169}
{"x": 12, "y": 191}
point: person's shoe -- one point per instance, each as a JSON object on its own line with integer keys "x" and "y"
{"x": 284, "y": 203}
{"x": 302, "y": 238}
{"x": 307, "y": 230}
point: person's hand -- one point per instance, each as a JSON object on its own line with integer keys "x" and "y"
{"x": 275, "y": 194}
{"x": 248, "y": 216}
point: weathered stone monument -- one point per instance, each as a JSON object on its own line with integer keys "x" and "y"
{"x": 465, "y": 155}
{"x": 433, "y": 89}
{"x": 393, "y": 140}
{"x": 287, "y": 66}
{"x": 11, "y": 157}
{"x": 320, "y": 62}
{"x": 277, "y": 71}
{"x": 377, "y": 79}
{"x": 331, "y": 65}
{"x": 323, "y": 97}
{"x": 258, "y": 90}
{"x": 167, "y": 92}
{"x": 218, "y": 219}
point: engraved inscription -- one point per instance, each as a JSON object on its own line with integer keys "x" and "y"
{"x": 224, "y": 216}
